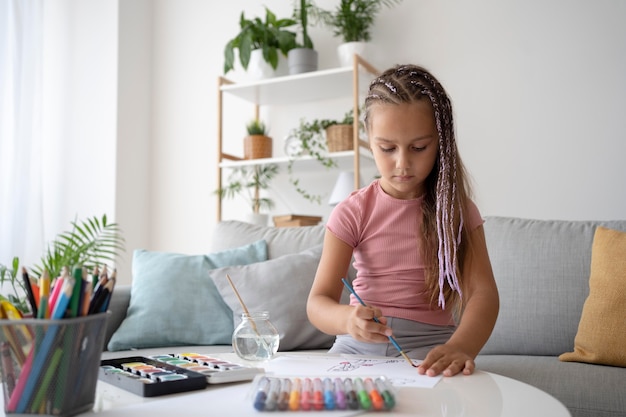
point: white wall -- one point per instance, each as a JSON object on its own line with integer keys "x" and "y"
{"x": 537, "y": 88}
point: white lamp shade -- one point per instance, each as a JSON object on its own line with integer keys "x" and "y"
{"x": 343, "y": 187}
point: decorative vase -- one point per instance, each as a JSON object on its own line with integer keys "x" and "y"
{"x": 259, "y": 68}
{"x": 302, "y": 60}
{"x": 346, "y": 52}
{"x": 256, "y": 338}
{"x": 257, "y": 146}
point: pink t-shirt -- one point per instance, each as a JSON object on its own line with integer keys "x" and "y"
{"x": 385, "y": 233}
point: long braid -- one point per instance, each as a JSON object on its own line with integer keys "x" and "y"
{"x": 445, "y": 197}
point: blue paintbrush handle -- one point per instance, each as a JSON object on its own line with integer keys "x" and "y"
{"x": 349, "y": 287}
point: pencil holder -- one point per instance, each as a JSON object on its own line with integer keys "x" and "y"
{"x": 50, "y": 367}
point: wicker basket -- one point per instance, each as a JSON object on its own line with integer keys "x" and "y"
{"x": 339, "y": 138}
{"x": 257, "y": 146}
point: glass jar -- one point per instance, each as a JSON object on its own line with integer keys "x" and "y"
{"x": 256, "y": 338}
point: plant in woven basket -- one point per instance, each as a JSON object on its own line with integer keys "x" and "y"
{"x": 257, "y": 144}
{"x": 247, "y": 182}
{"x": 90, "y": 242}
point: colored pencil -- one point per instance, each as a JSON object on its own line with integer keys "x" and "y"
{"x": 29, "y": 292}
{"x": 44, "y": 295}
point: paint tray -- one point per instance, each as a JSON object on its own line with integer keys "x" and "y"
{"x": 148, "y": 377}
{"x": 50, "y": 367}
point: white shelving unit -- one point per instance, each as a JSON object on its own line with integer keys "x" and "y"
{"x": 298, "y": 89}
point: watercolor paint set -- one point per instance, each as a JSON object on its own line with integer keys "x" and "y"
{"x": 171, "y": 373}
{"x": 324, "y": 393}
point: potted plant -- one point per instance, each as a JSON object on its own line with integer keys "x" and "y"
{"x": 257, "y": 144}
{"x": 352, "y": 21}
{"x": 263, "y": 39}
{"x": 308, "y": 139}
{"x": 247, "y": 182}
{"x": 303, "y": 58}
{"x": 91, "y": 242}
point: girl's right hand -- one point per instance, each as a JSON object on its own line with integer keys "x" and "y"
{"x": 362, "y": 326}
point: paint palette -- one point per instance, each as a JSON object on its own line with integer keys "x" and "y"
{"x": 217, "y": 371}
{"x": 148, "y": 377}
{"x": 171, "y": 373}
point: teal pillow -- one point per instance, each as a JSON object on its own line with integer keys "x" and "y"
{"x": 174, "y": 301}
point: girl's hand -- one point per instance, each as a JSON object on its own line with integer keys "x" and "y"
{"x": 448, "y": 360}
{"x": 362, "y": 327}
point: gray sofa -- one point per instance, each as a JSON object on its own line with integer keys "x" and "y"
{"x": 542, "y": 269}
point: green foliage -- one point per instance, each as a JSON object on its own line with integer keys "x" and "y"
{"x": 256, "y": 127}
{"x": 352, "y": 20}
{"x": 305, "y": 13}
{"x": 269, "y": 35}
{"x": 247, "y": 182}
{"x": 90, "y": 242}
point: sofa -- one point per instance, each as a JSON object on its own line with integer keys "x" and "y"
{"x": 543, "y": 269}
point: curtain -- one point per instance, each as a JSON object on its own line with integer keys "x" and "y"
{"x": 21, "y": 159}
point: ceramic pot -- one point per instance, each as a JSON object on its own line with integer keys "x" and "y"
{"x": 346, "y": 51}
{"x": 302, "y": 60}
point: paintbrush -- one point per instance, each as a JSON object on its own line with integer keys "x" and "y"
{"x": 391, "y": 339}
{"x": 245, "y": 310}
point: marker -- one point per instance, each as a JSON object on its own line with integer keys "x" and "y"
{"x": 329, "y": 394}
{"x": 363, "y": 396}
{"x": 271, "y": 403}
{"x": 318, "y": 394}
{"x": 377, "y": 400}
{"x": 306, "y": 398}
{"x": 388, "y": 398}
{"x": 340, "y": 394}
{"x": 294, "y": 395}
{"x": 351, "y": 399}
{"x": 283, "y": 397}
{"x": 261, "y": 395}
{"x": 391, "y": 339}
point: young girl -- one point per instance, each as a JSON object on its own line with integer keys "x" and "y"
{"x": 416, "y": 237}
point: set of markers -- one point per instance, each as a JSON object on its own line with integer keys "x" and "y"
{"x": 46, "y": 358}
{"x": 322, "y": 393}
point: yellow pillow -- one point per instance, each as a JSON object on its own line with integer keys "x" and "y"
{"x": 601, "y": 336}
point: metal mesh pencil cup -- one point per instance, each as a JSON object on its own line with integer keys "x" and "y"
{"x": 50, "y": 367}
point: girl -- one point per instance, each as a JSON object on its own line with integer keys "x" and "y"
{"x": 416, "y": 237}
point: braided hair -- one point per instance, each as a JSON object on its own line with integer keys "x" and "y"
{"x": 443, "y": 232}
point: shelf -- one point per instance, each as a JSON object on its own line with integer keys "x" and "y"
{"x": 344, "y": 159}
{"x": 299, "y": 88}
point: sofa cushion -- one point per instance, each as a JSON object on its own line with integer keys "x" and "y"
{"x": 174, "y": 302}
{"x": 601, "y": 336}
{"x": 280, "y": 240}
{"x": 280, "y": 286}
{"x": 542, "y": 272}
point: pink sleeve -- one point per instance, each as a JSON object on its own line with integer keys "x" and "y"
{"x": 474, "y": 218}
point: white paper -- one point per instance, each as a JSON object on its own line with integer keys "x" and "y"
{"x": 397, "y": 371}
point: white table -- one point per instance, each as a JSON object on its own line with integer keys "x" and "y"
{"x": 480, "y": 395}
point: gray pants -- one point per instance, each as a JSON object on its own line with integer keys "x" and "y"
{"x": 415, "y": 338}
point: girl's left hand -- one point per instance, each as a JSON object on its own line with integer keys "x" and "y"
{"x": 448, "y": 360}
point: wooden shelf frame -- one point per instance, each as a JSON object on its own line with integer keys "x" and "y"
{"x": 339, "y": 82}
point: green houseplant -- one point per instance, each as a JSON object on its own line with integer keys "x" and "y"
{"x": 247, "y": 182}
{"x": 303, "y": 57}
{"x": 90, "y": 242}
{"x": 257, "y": 144}
{"x": 270, "y": 36}
{"x": 352, "y": 21}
